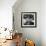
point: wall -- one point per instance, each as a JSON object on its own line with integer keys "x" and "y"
{"x": 6, "y": 13}
{"x": 43, "y": 22}
{"x": 35, "y": 34}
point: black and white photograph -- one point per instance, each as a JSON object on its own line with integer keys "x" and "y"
{"x": 28, "y": 19}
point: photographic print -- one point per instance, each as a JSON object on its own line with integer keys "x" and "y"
{"x": 28, "y": 19}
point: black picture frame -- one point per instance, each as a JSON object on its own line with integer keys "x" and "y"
{"x": 28, "y": 19}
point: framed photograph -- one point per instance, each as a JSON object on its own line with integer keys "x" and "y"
{"x": 28, "y": 19}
